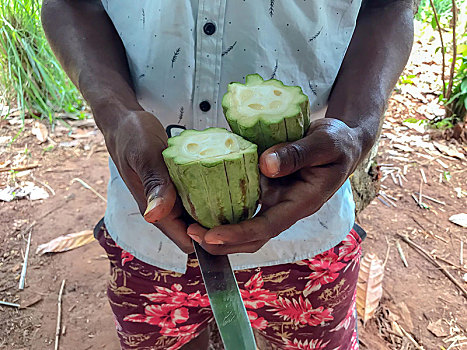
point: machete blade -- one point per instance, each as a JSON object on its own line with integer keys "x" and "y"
{"x": 226, "y": 301}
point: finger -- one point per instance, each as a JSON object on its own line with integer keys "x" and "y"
{"x": 176, "y": 230}
{"x": 250, "y": 247}
{"x": 160, "y": 204}
{"x": 287, "y": 158}
{"x": 196, "y": 232}
{"x": 262, "y": 227}
{"x": 159, "y": 190}
{"x": 322, "y": 145}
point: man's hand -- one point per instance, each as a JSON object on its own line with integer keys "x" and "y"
{"x": 297, "y": 179}
{"x": 136, "y": 148}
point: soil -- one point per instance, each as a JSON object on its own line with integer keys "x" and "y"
{"x": 416, "y": 297}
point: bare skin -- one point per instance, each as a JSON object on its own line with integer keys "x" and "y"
{"x": 297, "y": 178}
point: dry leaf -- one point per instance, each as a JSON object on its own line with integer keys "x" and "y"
{"x": 451, "y": 151}
{"x": 438, "y": 329}
{"x": 369, "y": 286}
{"x": 40, "y": 131}
{"x": 406, "y": 318}
{"x": 396, "y": 328}
{"x": 459, "y": 219}
{"x": 66, "y": 242}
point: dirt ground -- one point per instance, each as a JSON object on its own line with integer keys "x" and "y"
{"x": 418, "y": 297}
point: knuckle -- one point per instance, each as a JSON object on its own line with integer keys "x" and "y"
{"x": 151, "y": 181}
{"x": 187, "y": 249}
{"x": 295, "y": 155}
{"x": 214, "y": 249}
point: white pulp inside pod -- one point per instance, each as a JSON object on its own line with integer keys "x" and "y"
{"x": 209, "y": 146}
{"x": 262, "y": 99}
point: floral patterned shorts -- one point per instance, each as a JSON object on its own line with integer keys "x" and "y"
{"x": 309, "y": 304}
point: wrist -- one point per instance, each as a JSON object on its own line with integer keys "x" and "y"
{"x": 111, "y": 108}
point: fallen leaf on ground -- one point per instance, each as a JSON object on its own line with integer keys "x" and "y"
{"x": 449, "y": 150}
{"x": 66, "y": 242}
{"x": 406, "y": 318}
{"x": 459, "y": 219}
{"x": 438, "y": 328}
{"x": 369, "y": 286}
{"x": 40, "y": 131}
{"x": 30, "y": 301}
{"x": 24, "y": 190}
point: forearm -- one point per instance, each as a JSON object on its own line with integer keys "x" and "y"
{"x": 89, "y": 49}
{"x": 377, "y": 54}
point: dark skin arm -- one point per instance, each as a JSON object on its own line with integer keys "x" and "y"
{"x": 87, "y": 45}
{"x": 299, "y": 177}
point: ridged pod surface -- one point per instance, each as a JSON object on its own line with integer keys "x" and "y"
{"x": 266, "y": 112}
{"x": 216, "y": 175}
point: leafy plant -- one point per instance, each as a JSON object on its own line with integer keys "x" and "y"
{"x": 457, "y": 104}
{"x": 30, "y": 76}
{"x": 407, "y": 79}
{"x": 443, "y": 15}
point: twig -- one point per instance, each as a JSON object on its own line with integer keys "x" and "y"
{"x": 443, "y": 164}
{"x": 59, "y": 316}
{"x": 393, "y": 178}
{"x": 43, "y": 184}
{"x": 412, "y": 340}
{"x": 386, "y": 197}
{"x": 438, "y": 237}
{"x": 428, "y": 256}
{"x": 399, "y": 177}
{"x": 461, "y": 254}
{"x": 6, "y": 303}
{"x": 421, "y": 205}
{"x": 423, "y": 176}
{"x": 454, "y": 50}
{"x": 387, "y": 252}
{"x": 435, "y": 14}
{"x": 88, "y": 187}
{"x": 431, "y": 199}
{"x": 462, "y": 268}
{"x": 401, "y": 253}
{"x": 418, "y": 223}
{"x": 383, "y": 201}
{"x": 420, "y": 194}
{"x": 22, "y": 277}
{"x": 20, "y": 168}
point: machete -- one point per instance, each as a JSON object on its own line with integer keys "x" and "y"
{"x": 223, "y": 293}
{"x": 226, "y": 301}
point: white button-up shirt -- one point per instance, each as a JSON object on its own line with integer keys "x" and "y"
{"x": 183, "y": 54}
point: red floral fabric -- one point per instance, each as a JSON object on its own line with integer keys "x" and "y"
{"x": 305, "y": 305}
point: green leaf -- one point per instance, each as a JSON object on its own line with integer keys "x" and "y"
{"x": 464, "y": 85}
{"x": 433, "y": 23}
{"x": 462, "y": 49}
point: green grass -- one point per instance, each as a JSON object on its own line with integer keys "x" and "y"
{"x": 30, "y": 76}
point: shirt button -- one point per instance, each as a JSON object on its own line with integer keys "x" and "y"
{"x": 209, "y": 28}
{"x": 205, "y": 106}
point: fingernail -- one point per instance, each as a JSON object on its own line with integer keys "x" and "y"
{"x": 214, "y": 241}
{"x": 153, "y": 202}
{"x": 195, "y": 238}
{"x": 272, "y": 163}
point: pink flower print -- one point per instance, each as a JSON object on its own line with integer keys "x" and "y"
{"x": 301, "y": 311}
{"x": 164, "y": 316}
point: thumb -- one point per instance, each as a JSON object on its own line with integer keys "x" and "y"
{"x": 284, "y": 159}
{"x": 160, "y": 194}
